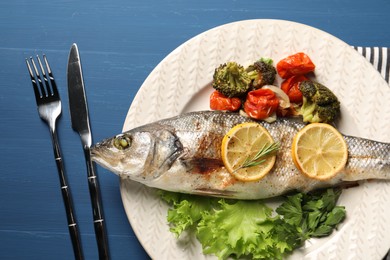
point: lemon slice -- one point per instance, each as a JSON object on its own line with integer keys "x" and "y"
{"x": 319, "y": 151}
{"x": 244, "y": 141}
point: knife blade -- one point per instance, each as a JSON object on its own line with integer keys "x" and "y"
{"x": 80, "y": 123}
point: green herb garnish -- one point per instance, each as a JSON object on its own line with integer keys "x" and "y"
{"x": 260, "y": 157}
{"x": 251, "y": 229}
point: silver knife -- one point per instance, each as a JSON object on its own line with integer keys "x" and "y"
{"x": 80, "y": 123}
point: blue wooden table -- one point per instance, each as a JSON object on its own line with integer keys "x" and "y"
{"x": 120, "y": 42}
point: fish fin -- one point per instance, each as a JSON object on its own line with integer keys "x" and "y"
{"x": 214, "y": 193}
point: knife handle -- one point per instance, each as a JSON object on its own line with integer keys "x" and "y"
{"x": 67, "y": 198}
{"x": 98, "y": 219}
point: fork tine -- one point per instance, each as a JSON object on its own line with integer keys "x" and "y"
{"x": 42, "y": 87}
{"x": 34, "y": 82}
{"x": 51, "y": 77}
{"x": 46, "y": 82}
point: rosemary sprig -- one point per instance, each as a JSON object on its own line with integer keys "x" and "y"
{"x": 260, "y": 156}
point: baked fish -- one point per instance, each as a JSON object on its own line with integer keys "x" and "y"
{"x": 182, "y": 154}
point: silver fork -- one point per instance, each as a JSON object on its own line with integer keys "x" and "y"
{"x": 49, "y": 109}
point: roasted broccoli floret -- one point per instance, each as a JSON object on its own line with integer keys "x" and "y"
{"x": 262, "y": 73}
{"x": 231, "y": 79}
{"x": 319, "y": 105}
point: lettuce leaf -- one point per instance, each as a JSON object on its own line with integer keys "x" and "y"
{"x": 236, "y": 228}
{"x": 187, "y": 210}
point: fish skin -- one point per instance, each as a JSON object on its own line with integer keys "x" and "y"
{"x": 182, "y": 154}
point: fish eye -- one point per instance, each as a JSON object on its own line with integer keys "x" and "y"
{"x": 122, "y": 142}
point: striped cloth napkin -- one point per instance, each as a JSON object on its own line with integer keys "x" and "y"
{"x": 379, "y": 57}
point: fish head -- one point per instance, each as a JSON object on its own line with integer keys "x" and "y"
{"x": 141, "y": 155}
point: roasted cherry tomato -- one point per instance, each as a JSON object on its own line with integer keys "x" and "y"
{"x": 291, "y": 87}
{"x": 218, "y": 101}
{"x": 296, "y": 64}
{"x": 261, "y": 103}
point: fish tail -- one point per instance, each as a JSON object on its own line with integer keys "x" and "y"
{"x": 368, "y": 159}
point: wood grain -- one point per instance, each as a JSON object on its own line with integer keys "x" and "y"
{"x": 120, "y": 43}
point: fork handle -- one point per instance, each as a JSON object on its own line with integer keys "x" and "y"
{"x": 66, "y": 196}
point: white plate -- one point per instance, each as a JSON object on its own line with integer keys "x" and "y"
{"x": 180, "y": 84}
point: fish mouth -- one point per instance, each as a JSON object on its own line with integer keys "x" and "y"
{"x": 95, "y": 149}
{"x": 98, "y": 156}
{"x": 94, "y": 152}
